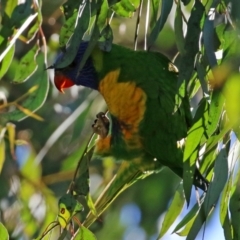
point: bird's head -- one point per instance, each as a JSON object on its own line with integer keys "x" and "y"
{"x": 68, "y": 76}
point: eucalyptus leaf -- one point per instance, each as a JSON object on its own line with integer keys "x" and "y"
{"x": 84, "y": 234}
{"x": 27, "y": 65}
{"x": 36, "y": 97}
{"x": 165, "y": 10}
{"x": 213, "y": 193}
{"x": 196, "y": 131}
{"x": 191, "y": 47}
{"x": 174, "y": 211}
{"x": 178, "y": 26}
{"x": 3, "y": 232}
{"x": 215, "y": 111}
{"x": 234, "y": 207}
{"x": 82, "y": 21}
{"x": 6, "y": 62}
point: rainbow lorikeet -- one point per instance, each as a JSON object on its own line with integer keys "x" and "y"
{"x": 139, "y": 88}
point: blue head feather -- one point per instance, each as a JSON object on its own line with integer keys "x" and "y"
{"x": 88, "y": 74}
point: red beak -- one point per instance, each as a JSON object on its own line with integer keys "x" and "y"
{"x": 62, "y": 81}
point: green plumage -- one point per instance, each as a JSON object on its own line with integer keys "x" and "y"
{"x": 139, "y": 88}
{"x": 160, "y": 128}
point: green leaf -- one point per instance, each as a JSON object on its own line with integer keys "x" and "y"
{"x": 196, "y": 131}
{"x": 6, "y": 62}
{"x": 70, "y": 7}
{"x": 101, "y": 17}
{"x": 189, "y": 167}
{"x": 191, "y": 48}
{"x": 105, "y": 42}
{"x": 209, "y": 156}
{"x": 91, "y": 45}
{"x": 215, "y": 111}
{"x": 165, "y": 10}
{"x": 3, "y": 232}
{"x": 35, "y": 99}
{"x": 188, "y": 218}
{"x": 91, "y": 205}
{"x": 232, "y": 95}
{"x": 2, "y": 150}
{"x": 11, "y": 129}
{"x": 154, "y": 6}
{"x": 35, "y": 27}
{"x": 20, "y": 13}
{"x": 202, "y": 73}
{"x": 27, "y": 65}
{"x": 84, "y": 234}
{"x": 208, "y": 34}
{"x": 223, "y": 212}
{"x": 127, "y": 174}
{"x": 10, "y": 5}
{"x": 81, "y": 186}
{"x": 186, "y": 229}
{"x": 227, "y": 228}
{"x": 67, "y": 29}
{"x": 178, "y": 27}
{"x": 229, "y": 43}
{"x": 234, "y": 207}
{"x": 124, "y": 8}
{"x": 174, "y": 210}
{"x": 81, "y": 183}
{"x": 213, "y": 141}
{"x": 68, "y": 206}
{"x": 76, "y": 38}
{"x": 213, "y": 193}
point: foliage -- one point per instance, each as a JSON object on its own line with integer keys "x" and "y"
{"x": 207, "y": 55}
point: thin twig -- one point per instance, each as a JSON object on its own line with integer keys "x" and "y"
{"x": 138, "y": 25}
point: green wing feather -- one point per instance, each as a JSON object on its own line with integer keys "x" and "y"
{"x": 161, "y": 128}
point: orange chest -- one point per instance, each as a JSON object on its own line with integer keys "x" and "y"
{"x": 126, "y": 102}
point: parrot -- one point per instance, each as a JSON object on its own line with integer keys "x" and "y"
{"x": 139, "y": 89}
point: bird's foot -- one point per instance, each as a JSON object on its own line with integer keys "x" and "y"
{"x": 101, "y": 125}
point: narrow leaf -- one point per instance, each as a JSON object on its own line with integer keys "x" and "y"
{"x": 234, "y": 207}
{"x": 191, "y": 47}
{"x": 213, "y": 193}
{"x": 91, "y": 205}
{"x": 7, "y": 60}
{"x": 124, "y": 9}
{"x": 11, "y": 128}
{"x": 34, "y": 28}
{"x": 165, "y": 10}
{"x": 227, "y": 228}
{"x": 35, "y": 99}
{"x": 188, "y": 175}
{"x": 208, "y": 33}
{"x": 155, "y": 5}
{"x": 67, "y": 29}
{"x": 196, "y": 131}
{"x": 178, "y": 26}
{"x": 82, "y": 26}
{"x": 2, "y": 153}
{"x": 3, "y": 232}
{"x": 215, "y": 111}
{"x": 188, "y": 217}
{"x": 29, "y": 113}
{"x": 184, "y": 232}
{"x": 174, "y": 210}
{"x": 27, "y": 65}
{"x": 84, "y": 234}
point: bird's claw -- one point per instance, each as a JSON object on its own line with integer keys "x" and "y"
{"x": 101, "y": 125}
